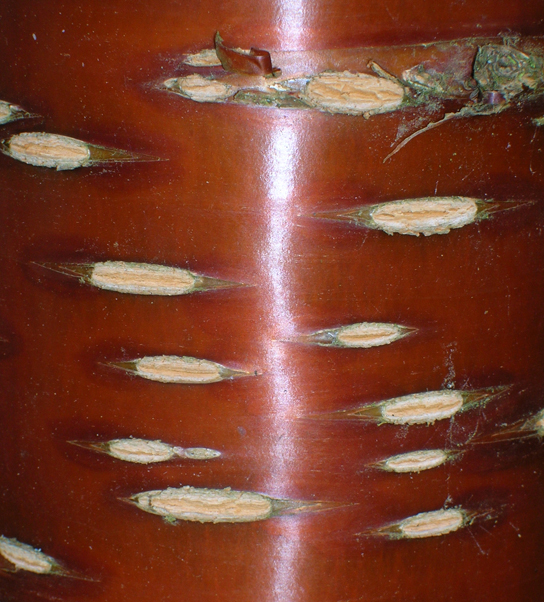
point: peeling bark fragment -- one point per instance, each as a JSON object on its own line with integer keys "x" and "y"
{"x": 10, "y": 112}
{"x": 420, "y": 408}
{"x": 507, "y": 70}
{"x": 487, "y": 76}
{"x": 26, "y": 558}
{"x": 353, "y": 93}
{"x": 41, "y": 149}
{"x": 427, "y": 524}
{"x": 415, "y": 461}
{"x": 427, "y": 215}
{"x": 179, "y": 370}
{"x": 480, "y": 109}
{"x": 363, "y": 335}
{"x": 200, "y": 89}
{"x": 502, "y": 73}
{"x": 249, "y": 62}
{"x": 140, "y": 278}
{"x": 219, "y": 505}
{"x": 205, "y": 58}
{"x": 144, "y": 451}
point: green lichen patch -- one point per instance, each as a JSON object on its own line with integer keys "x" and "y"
{"x": 507, "y": 70}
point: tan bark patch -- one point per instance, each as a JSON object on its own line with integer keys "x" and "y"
{"x": 369, "y": 334}
{"x": 179, "y": 369}
{"x": 432, "y": 524}
{"x": 432, "y": 215}
{"x": 25, "y": 557}
{"x": 422, "y": 408}
{"x": 5, "y": 111}
{"x": 48, "y": 150}
{"x": 200, "y": 453}
{"x": 140, "y": 451}
{"x": 204, "y": 58}
{"x": 353, "y": 93}
{"x": 174, "y": 369}
{"x": 141, "y": 278}
{"x": 206, "y": 505}
{"x": 200, "y": 89}
{"x": 416, "y": 461}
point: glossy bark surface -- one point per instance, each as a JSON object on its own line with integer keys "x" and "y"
{"x": 233, "y": 199}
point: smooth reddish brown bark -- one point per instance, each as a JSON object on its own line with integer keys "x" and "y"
{"x": 233, "y": 199}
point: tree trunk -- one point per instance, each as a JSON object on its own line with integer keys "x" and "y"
{"x": 258, "y": 342}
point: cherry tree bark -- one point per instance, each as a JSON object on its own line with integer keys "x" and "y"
{"x": 271, "y": 311}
